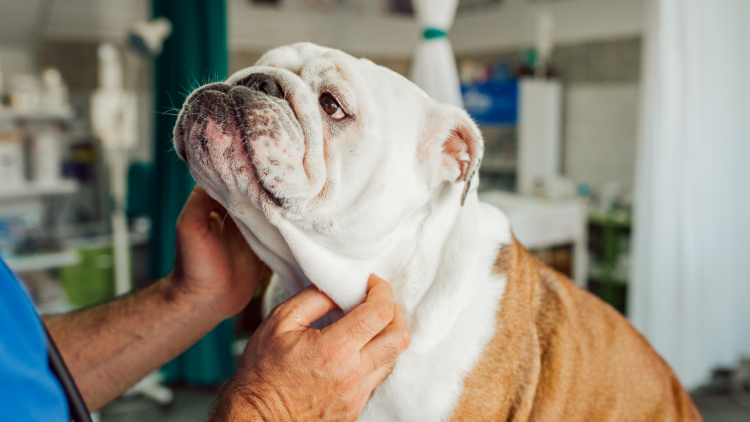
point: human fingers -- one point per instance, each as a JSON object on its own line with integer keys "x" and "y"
{"x": 199, "y": 208}
{"x": 200, "y": 200}
{"x": 302, "y": 309}
{"x": 384, "y": 348}
{"x": 384, "y": 360}
{"x": 366, "y": 320}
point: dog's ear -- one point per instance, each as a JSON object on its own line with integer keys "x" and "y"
{"x": 451, "y": 147}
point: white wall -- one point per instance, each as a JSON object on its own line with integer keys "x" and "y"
{"x": 513, "y": 23}
{"x": 97, "y": 20}
{"x": 19, "y": 19}
{"x": 600, "y": 134}
{"x": 14, "y": 59}
{"x": 18, "y": 22}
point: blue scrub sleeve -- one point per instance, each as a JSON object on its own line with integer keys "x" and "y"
{"x": 29, "y": 390}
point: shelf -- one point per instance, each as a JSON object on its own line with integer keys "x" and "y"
{"x": 35, "y": 115}
{"x": 30, "y": 190}
{"x": 42, "y": 261}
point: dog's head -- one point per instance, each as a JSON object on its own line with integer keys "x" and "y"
{"x": 321, "y": 158}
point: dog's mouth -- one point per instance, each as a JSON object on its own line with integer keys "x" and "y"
{"x": 245, "y": 137}
{"x": 270, "y": 196}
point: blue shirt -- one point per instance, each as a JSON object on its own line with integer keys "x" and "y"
{"x": 29, "y": 391}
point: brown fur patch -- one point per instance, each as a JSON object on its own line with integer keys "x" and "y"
{"x": 561, "y": 354}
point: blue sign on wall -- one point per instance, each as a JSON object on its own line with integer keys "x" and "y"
{"x": 494, "y": 102}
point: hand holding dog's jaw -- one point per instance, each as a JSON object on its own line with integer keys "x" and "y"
{"x": 292, "y": 372}
{"x": 214, "y": 265}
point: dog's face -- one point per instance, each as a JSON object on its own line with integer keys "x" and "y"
{"x": 314, "y": 149}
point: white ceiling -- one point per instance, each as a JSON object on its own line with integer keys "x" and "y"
{"x": 22, "y": 21}
{"x": 365, "y": 32}
{"x": 19, "y": 20}
{"x": 361, "y": 28}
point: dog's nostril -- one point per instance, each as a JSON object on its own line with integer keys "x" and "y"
{"x": 263, "y": 83}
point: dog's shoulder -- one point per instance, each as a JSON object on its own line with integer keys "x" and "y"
{"x": 559, "y": 352}
{"x": 501, "y": 385}
{"x": 595, "y": 365}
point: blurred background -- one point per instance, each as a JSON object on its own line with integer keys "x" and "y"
{"x": 617, "y": 140}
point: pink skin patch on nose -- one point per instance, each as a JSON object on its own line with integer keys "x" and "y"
{"x": 224, "y": 157}
{"x": 217, "y": 136}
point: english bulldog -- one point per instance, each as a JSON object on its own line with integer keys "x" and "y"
{"x": 335, "y": 168}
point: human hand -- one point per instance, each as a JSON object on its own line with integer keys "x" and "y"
{"x": 290, "y": 372}
{"x": 213, "y": 262}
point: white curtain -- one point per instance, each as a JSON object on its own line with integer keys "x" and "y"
{"x": 434, "y": 66}
{"x": 690, "y": 293}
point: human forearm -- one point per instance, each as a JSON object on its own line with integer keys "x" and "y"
{"x": 110, "y": 347}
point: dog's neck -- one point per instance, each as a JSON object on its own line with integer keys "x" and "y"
{"x": 430, "y": 261}
{"x": 439, "y": 269}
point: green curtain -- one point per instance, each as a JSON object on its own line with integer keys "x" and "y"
{"x": 194, "y": 54}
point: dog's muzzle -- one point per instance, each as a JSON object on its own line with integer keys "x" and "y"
{"x": 222, "y": 102}
{"x": 245, "y": 134}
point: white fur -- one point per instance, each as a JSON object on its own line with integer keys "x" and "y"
{"x": 424, "y": 386}
{"x": 378, "y": 196}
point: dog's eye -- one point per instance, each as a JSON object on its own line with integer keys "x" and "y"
{"x": 331, "y": 107}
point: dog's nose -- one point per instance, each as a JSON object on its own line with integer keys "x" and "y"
{"x": 263, "y": 83}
